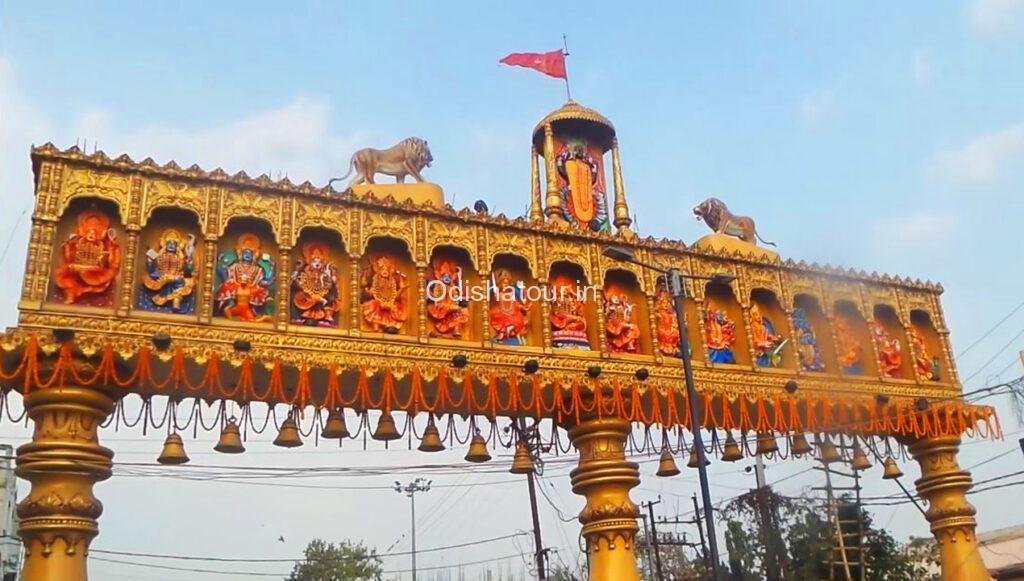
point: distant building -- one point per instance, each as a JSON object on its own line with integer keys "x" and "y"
{"x": 10, "y": 546}
{"x": 1002, "y": 550}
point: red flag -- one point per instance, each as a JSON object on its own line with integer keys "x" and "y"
{"x": 550, "y": 63}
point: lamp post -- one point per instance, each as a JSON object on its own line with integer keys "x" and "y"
{"x": 674, "y": 281}
{"x": 410, "y": 490}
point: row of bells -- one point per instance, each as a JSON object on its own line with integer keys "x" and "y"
{"x": 288, "y": 436}
{"x": 766, "y": 444}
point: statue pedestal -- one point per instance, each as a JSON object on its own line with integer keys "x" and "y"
{"x": 418, "y": 193}
{"x": 720, "y": 243}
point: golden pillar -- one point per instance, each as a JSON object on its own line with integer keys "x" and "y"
{"x": 536, "y": 204}
{"x": 622, "y": 220}
{"x": 553, "y": 209}
{"x": 944, "y": 486}
{"x": 63, "y": 461}
{"x": 604, "y": 477}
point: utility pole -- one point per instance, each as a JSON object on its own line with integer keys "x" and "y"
{"x": 700, "y": 531}
{"x": 654, "y": 538}
{"x": 538, "y": 547}
{"x": 410, "y": 490}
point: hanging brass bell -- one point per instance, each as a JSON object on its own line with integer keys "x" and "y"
{"x": 890, "y": 471}
{"x": 694, "y": 460}
{"x": 667, "y": 464}
{"x": 230, "y": 439}
{"x": 766, "y": 443}
{"x": 288, "y": 435}
{"x": 828, "y": 452}
{"x": 478, "y": 450}
{"x": 798, "y": 445}
{"x": 731, "y": 452}
{"x": 860, "y": 459}
{"x": 522, "y": 463}
{"x": 173, "y": 452}
{"x": 431, "y": 441}
{"x": 386, "y": 430}
{"x": 335, "y": 428}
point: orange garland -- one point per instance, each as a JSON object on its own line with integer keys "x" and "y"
{"x": 855, "y": 414}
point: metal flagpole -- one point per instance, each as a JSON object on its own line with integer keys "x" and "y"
{"x": 565, "y": 52}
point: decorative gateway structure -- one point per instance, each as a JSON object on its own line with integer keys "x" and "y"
{"x": 190, "y": 288}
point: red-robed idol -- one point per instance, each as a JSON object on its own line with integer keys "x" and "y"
{"x": 91, "y": 257}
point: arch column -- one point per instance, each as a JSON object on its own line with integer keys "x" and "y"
{"x": 604, "y": 478}
{"x": 58, "y": 518}
{"x": 944, "y": 485}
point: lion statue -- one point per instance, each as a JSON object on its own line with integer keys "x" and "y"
{"x": 717, "y": 216}
{"x": 408, "y": 157}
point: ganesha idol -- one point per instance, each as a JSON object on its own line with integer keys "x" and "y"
{"x": 509, "y": 313}
{"x": 621, "y": 330}
{"x": 169, "y": 282}
{"x": 314, "y": 283}
{"x": 245, "y": 278}
{"x": 90, "y": 260}
{"x": 568, "y": 319}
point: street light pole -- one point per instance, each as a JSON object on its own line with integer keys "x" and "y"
{"x": 410, "y": 490}
{"x": 674, "y": 281}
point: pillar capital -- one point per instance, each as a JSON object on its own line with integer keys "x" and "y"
{"x": 58, "y": 518}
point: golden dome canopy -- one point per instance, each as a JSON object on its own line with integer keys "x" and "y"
{"x": 572, "y": 113}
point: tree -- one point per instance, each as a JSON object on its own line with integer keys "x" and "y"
{"x": 346, "y": 561}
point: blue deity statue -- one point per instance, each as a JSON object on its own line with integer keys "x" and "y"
{"x": 808, "y": 352}
{"x": 169, "y": 282}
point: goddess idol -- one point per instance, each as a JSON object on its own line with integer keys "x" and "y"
{"x": 384, "y": 305}
{"x": 447, "y": 308}
{"x": 314, "y": 282}
{"x": 890, "y": 357}
{"x": 666, "y": 323}
{"x": 90, "y": 260}
{"x": 807, "y": 350}
{"x": 568, "y": 321}
{"x": 719, "y": 334}
{"x": 509, "y": 313}
{"x": 767, "y": 343}
{"x": 581, "y": 185}
{"x": 621, "y": 330}
{"x": 245, "y": 276}
{"x": 169, "y": 282}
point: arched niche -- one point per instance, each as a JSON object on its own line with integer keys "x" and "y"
{"x": 388, "y": 301}
{"x": 452, "y": 311}
{"x": 573, "y": 307}
{"x": 665, "y": 335}
{"x": 890, "y": 340}
{"x": 169, "y": 263}
{"x": 770, "y": 330}
{"x": 926, "y": 348}
{"x": 724, "y": 335}
{"x": 88, "y": 254}
{"x": 626, "y": 314}
{"x": 245, "y": 273}
{"x": 854, "y": 353}
{"x": 514, "y": 315}
{"x": 814, "y": 348}
{"x": 319, "y": 281}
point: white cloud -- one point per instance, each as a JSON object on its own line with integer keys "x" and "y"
{"x": 921, "y": 67}
{"x": 911, "y": 239}
{"x": 984, "y": 161}
{"x": 995, "y": 17}
{"x": 816, "y": 108}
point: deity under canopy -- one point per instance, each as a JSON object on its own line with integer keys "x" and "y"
{"x": 509, "y": 313}
{"x": 568, "y": 318}
{"x": 314, "y": 283}
{"x": 767, "y": 343}
{"x": 447, "y": 307}
{"x": 384, "y": 306}
{"x": 807, "y": 350}
{"x": 245, "y": 277}
{"x": 926, "y": 367}
{"x": 849, "y": 351}
{"x": 665, "y": 322}
{"x": 719, "y": 334}
{"x": 90, "y": 260}
{"x": 622, "y": 333}
{"x": 581, "y": 184}
{"x": 890, "y": 356}
{"x": 168, "y": 284}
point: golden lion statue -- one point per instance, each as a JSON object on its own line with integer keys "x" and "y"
{"x": 408, "y": 157}
{"x": 717, "y": 216}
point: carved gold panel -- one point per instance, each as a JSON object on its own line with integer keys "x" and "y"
{"x": 309, "y": 213}
{"x": 452, "y": 234}
{"x": 86, "y": 182}
{"x": 168, "y": 194}
{"x": 235, "y": 204}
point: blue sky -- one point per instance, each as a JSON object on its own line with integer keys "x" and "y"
{"x": 884, "y": 137}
